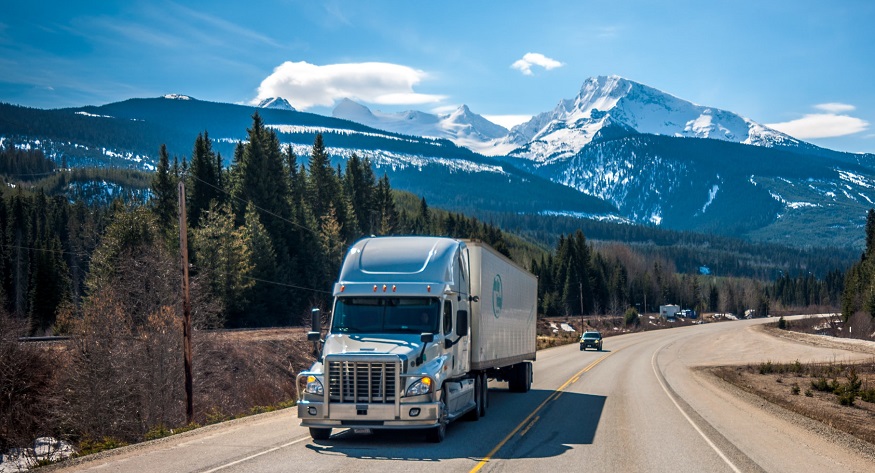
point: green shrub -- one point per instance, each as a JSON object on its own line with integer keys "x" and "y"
{"x": 631, "y": 317}
{"x": 89, "y": 446}
{"x": 782, "y": 324}
{"x": 795, "y": 389}
{"x": 820, "y": 385}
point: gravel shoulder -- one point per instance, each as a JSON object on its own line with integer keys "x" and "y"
{"x": 789, "y": 392}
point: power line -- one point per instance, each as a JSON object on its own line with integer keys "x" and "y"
{"x": 277, "y": 283}
{"x": 18, "y": 247}
{"x": 253, "y": 204}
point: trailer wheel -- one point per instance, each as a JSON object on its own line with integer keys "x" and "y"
{"x": 319, "y": 433}
{"x": 521, "y": 378}
{"x": 484, "y": 393}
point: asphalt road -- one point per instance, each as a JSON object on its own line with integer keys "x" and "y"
{"x": 637, "y": 406}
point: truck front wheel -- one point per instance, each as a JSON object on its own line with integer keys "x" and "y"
{"x": 319, "y": 433}
{"x": 439, "y": 433}
{"x": 474, "y": 414}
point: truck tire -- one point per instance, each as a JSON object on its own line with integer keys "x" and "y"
{"x": 439, "y": 433}
{"x": 474, "y": 414}
{"x": 319, "y": 433}
{"x": 521, "y": 379}
{"x": 484, "y": 393}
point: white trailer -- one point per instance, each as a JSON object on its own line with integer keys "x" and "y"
{"x": 419, "y": 326}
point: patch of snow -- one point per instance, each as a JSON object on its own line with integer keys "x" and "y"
{"x": 177, "y": 97}
{"x": 799, "y": 205}
{"x": 857, "y": 179}
{"x": 86, "y": 114}
{"x": 322, "y": 129}
{"x": 711, "y": 194}
{"x": 567, "y": 328}
{"x": 584, "y": 215}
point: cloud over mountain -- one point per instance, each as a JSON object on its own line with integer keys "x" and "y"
{"x": 833, "y": 122}
{"x": 307, "y": 85}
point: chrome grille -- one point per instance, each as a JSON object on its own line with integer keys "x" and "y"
{"x": 362, "y": 381}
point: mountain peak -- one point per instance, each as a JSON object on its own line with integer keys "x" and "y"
{"x": 625, "y": 104}
{"x": 176, "y": 97}
{"x": 277, "y": 103}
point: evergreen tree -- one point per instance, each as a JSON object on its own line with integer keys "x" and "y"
{"x": 387, "y": 211}
{"x": 164, "y": 201}
{"x": 224, "y": 261}
{"x": 262, "y": 309}
{"x": 203, "y": 181}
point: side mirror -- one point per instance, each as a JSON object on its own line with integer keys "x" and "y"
{"x": 462, "y": 323}
{"x": 315, "y": 322}
{"x": 315, "y": 333}
{"x": 426, "y": 337}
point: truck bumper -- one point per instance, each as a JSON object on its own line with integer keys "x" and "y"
{"x": 368, "y": 416}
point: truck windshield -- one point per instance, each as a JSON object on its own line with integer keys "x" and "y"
{"x": 386, "y": 315}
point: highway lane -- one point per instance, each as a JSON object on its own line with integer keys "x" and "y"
{"x": 638, "y": 406}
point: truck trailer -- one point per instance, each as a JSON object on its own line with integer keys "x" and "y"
{"x": 418, "y": 327}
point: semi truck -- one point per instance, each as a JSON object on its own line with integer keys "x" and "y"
{"x": 418, "y": 327}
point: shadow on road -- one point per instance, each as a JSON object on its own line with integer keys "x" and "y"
{"x": 566, "y": 419}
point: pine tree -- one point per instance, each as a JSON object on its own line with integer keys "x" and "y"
{"x": 263, "y": 308}
{"x": 203, "y": 180}
{"x": 224, "y": 261}
{"x": 164, "y": 193}
{"x": 387, "y": 211}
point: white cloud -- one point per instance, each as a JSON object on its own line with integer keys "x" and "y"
{"x": 834, "y": 107}
{"x": 823, "y": 125}
{"x": 508, "y": 121}
{"x": 307, "y": 85}
{"x": 525, "y": 64}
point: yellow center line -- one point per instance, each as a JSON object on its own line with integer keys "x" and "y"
{"x": 552, "y": 397}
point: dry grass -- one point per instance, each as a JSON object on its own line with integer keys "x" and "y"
{"x": 815, "y": 390}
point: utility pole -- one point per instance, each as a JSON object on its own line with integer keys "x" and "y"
{"x": 580, "y": 288}
{"x": 186, "y": 306}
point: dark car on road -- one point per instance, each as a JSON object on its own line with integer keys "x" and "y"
{"x": 591, "y": 340}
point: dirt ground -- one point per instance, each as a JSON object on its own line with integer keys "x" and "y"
{"x": 814, "y": 390}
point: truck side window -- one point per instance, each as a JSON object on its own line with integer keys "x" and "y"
{"x": 448, "y": 317}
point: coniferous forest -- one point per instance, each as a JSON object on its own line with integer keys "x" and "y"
{"x": 267, "y": 235}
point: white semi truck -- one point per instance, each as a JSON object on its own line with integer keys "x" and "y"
{"x": 419, "y": 326}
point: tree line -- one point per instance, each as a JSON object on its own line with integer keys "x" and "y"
{"x": 267, "y": 234}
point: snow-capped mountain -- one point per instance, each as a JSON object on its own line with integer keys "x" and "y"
{"x": 611, "y": 105}
{"x": 462, "y": 126}
{"x": 277, "y": 103}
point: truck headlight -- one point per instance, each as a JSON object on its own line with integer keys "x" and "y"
{"x": 421, "y": 386}
{"x": 314, "y": 386}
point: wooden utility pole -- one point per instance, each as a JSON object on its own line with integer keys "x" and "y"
{"x": 186, "y": 306}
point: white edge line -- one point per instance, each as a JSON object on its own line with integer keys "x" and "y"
{"x": 713, "y": 446}
{"x": 250, "y": 457}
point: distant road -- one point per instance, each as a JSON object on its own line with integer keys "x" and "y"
{"x": 635, "y": 407}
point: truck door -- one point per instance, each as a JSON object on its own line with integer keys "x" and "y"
{"x": 463, "y": 358}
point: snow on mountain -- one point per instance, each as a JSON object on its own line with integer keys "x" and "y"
{"x": 278, "y": 103}
{"x": 613, "y": 103}
{"x": 177, "y": 97}
{"x": 462, "y": 127}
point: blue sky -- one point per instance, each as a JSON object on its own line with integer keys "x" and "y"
{"x": 806, "y": 67}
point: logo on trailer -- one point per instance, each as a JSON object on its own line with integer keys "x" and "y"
{"x": 497, "y": 295}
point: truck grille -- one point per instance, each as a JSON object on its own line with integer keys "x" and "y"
{"x": 362, "y": 381}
